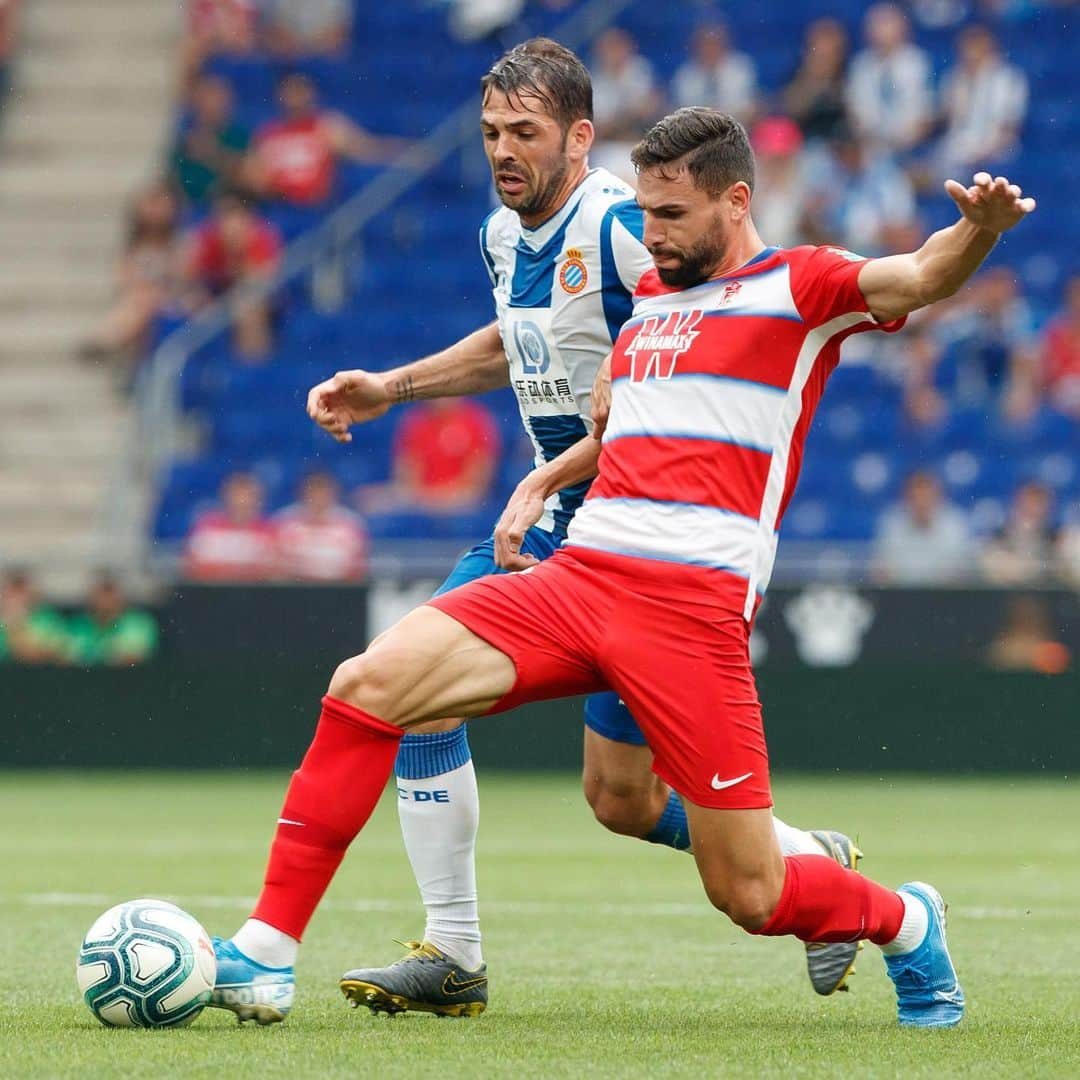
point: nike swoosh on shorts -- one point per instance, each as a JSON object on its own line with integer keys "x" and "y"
{"x": 719, "y": 785}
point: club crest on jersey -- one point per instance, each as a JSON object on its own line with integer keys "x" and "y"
{"x": 731, "y": 290}
{"x": 573, "y": 274}
{"x": 659, "y": 342}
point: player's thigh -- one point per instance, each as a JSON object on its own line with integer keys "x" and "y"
{"x": 545, "y": 619}
{"x": 428, "y": 666}
{"x": 684, "y": 671}
{"x": 739, "y": 860}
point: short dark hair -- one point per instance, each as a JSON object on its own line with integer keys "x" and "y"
{"x": 551, "y": 73}
{"x": 714, "y": 144}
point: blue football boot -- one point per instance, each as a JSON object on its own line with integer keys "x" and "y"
{"x": 248, "y": 989}
{"x": 928, "y": 993}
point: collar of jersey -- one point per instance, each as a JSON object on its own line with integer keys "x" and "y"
{"x": 756, "y": 265}
{"x": 538, "y": 235}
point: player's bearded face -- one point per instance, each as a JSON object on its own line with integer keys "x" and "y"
{"x": 685, "y": 266}
{"x": 686, "y": 230}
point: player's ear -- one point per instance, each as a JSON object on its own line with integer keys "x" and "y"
{"x": 579, "y": 138}
{"x": 738, "y": 197}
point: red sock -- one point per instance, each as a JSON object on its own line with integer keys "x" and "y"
{"x": 821, "y": 901}
{"x": 329, "y": 800}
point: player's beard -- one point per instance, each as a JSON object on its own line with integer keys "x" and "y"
{"x": 540, "y": 202}
{"x": 697, "y": 264}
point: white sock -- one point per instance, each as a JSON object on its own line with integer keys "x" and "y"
{"x": 912, "y": 930}
{"x": 439, "y": 814}
{"x": 795, "y": 841}
{"x": 265, "y": 945}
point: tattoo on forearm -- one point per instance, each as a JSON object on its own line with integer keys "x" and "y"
{"x": 403, "y": 391}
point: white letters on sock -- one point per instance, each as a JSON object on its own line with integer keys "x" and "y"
{"x": 439, "y": 818}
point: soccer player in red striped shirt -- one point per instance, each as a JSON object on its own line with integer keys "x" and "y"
{"x": 714, "y": 382}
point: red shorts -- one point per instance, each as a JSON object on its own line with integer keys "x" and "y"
{"x": 671, "y": 646}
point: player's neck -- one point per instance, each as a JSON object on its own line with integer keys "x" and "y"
{"x": 569, "y": 186}
{"x": 746, "y": 246}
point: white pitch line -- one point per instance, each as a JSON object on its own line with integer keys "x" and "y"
{"x": 512, "y": 907}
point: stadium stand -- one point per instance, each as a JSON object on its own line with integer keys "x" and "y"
{"x": 415, "y": 283}
{"x": 79, "y": 132}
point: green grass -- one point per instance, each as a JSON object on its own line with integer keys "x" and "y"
{"x": 605, "y": 959}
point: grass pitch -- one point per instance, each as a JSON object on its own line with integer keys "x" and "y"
{"x": 605, "y": 959}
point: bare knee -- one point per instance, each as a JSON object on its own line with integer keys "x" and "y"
{"x": 366, "y": 685}
{"x": 629, "y": 809}
{"x": 749, "y": 900}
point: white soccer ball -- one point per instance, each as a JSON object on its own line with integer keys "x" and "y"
{"x": 146, "y": 963}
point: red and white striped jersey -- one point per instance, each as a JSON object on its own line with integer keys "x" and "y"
{"x": 713, "y": 391}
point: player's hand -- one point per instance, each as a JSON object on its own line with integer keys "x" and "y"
{"x": 350, "y": 397}
{"x": 523, "y": 511}
{"x": 991, "y": 203}
{"x": 601, "y": 398}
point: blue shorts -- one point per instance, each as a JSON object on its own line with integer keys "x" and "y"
{"x": 604, "y": 713}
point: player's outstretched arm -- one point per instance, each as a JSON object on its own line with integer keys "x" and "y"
{"x": 470, "y": 366}
{"x": 526, "y": 505}
{"x": 896, "y": 285}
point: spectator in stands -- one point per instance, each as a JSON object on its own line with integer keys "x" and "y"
{"x": 984, "y": 101}
{"x": 890, "y": 97}
{"x": 925, "y": 411}
{"x": 1027, "y": 642}
{"x": 318, "y": 539}
{"x": 235, "y": 247}
{"x": 110, "y": 632}
{"x": 217, "y": 27}
{"x": 444, "y": 457}
{"x": 861, "y": 200}
{"x": 987, "y": 330}
{"x": 209, "y": 152}
{"x": 816, "y": 99}
{"x": 30, "y": 632}
{"x": 9, "y": 12}
{"x": 779, "y": 184}
{"x": 717, "y": 75}
{"x": 1059, "y": 354}
{"x": 147, "y": 280}
{"x": 923, "y": 540}
{"x": 625, "y": 100}
{"x": 310, "y": 28}
{"x": 295, "y": 156}
{"x": 234, "y": 542}
{"x": 1023, "y": 552}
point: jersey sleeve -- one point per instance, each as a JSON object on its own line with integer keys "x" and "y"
{"x": 825, "y": 286}
{"x": 623, "y": 259}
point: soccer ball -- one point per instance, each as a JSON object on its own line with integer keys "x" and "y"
{"x": 146, "y": 963}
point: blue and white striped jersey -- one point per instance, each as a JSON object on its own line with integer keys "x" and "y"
{"x": 562, "y": 291}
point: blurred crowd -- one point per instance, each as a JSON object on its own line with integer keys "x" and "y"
{"x": 847, "y": 151}
{"x": 846, "y": 145}
{"x": 201, "y": 230}
{"x": 106, "y": 632}
{"x": 851, "y": 149}
{"x": 926, "y": 540}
